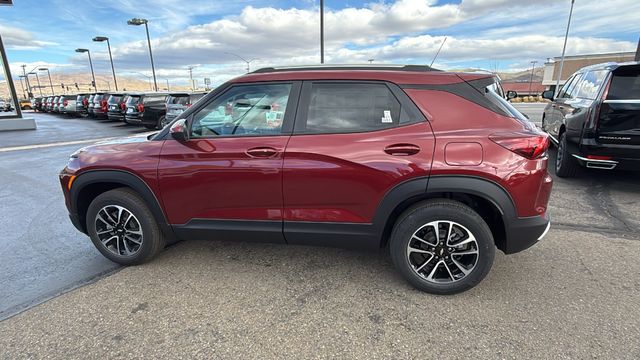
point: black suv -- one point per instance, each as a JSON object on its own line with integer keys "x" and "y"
{"x": 147, "y": 109}
{"x": 116, "y": 106}
{"x": 595, "y": 119}
{"x": 177, "y": 103}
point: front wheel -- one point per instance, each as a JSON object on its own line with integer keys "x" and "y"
{"x": 122, "y": 227}
{"x": 442, "y": 247}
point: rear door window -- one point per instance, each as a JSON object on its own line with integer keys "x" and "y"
{"x": 350, "y": 107}
{"x": 178, "y": 100}
{"x": 590, "y": 84}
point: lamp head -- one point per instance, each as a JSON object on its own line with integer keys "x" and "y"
{"x": 100, "y": 38}
{"x": 82, "y": 50}
{"x": 136, "y": 21}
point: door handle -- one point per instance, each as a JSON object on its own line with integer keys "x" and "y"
{"x": 402, "y": 149}
{"x": 262, "y": 152}
{"x": 560, "y": 107}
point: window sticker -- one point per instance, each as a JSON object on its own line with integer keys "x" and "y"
{"x": 387, "y": 117}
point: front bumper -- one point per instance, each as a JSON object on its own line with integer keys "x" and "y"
{"x": 522, "y": 233}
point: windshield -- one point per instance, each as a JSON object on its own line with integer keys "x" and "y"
{"x": 114, "y": 99}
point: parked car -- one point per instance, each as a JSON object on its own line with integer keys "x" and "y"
{"x": 595, "y": 119}
{"x": 35, "y": 103}
{"x": 90, "y": 105}
{"x": 25, "y": 104}
{"x": 147, "y": 109}
{"x": 68, "y": 105}
{"x": 116, "y": 105}
{"x": 55, "y": 104}
{"x": 100, "y": 107}
{"x": 177, "y": 103}
{"x": 82, "y": 102}
{"x": 369, "y": 157}
{"x": 4, "y": 105}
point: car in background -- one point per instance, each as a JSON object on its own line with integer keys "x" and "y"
{"x": 68, "y": 105}
{"x": 82, "y": 102}
{"x": 146, "y": 109}
{"x": 25, "y": 104}
{"x": 36, "y": 103}
{"x": 100, "y": 108}
{"x": 3, "y": 105}
{"x": 46, "y": 102}
{"x": 116, "y": 106}
{"x": 177, "y": 103}
{"x": 90, "y": 105}
{"x": 55, "y": 104}
{"x": 595, "y": 119}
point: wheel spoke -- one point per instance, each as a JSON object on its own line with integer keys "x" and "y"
{"x": 104, "y": 242}
{"x": 425, "y": 263}
{"x": 468, "y": 252}
{"x": 133, "y": 240}
{"x": 461, "y": 267}
{"x": 109, "y": 216}
{"x": 118, "y": 245}
{"x": 414, "y": 237}
{"x": 126, "y": 248}
{"x": 433, "y": 271}
{"x": 420, "y": 251}
{"x": 119, "y": 214}
{"x": 449, "y": 233}
{"x": 127, "y": 221}
{"x": 437, "y": 232}
{"x": 469, "y": 239}
{"x": 104, "y": 221}
{"x": 104, "y": 232}
{"x": 449, "y": 270}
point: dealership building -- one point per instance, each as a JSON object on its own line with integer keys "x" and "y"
{"x": 574, "y": 63}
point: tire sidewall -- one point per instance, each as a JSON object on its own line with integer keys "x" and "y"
{"x": 150, "y": 231}
{"x": 417, "y": 218}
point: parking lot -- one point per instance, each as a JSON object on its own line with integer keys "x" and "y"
{"x": 574, "y": 295}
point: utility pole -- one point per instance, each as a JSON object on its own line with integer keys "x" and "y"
{"x": 637, "y": 58}
{"x": 533, "y": 66}
{"x": 26, "y": 79}
{"x": 190, "y": 67}
{"x": 564, "y": 47}
{"x": 321, "y": 31}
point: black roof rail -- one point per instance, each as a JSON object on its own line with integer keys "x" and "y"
{"x": 415, "y": 68}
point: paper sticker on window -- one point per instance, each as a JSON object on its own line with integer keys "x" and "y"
{"x": 387, "y": 117}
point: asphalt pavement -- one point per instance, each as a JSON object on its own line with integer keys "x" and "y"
{"x": 574, "y": 295}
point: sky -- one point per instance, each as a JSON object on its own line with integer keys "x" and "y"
{"x": 504, "y": 35}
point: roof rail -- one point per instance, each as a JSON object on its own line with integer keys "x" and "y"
{"x": 418, "y": 68}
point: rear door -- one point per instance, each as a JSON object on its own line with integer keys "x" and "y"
{"x": 353, "y": 142}
{"x": 619, "y": 118}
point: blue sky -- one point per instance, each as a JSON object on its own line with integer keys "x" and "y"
{"x": 502, "y": 34}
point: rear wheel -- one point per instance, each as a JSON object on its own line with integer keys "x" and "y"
{"x": 442, "y": 247}
{"x": 566, "y": 165}
{"x": 122, "y": 227}
{"x": 162, "y": 122}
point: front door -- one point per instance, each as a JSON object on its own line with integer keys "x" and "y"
{"x": 228, "y": 175}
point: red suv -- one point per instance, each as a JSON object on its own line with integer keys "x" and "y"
{"x": 433, "y": 165}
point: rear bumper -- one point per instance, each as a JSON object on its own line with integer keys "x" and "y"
{"x": 618, "y": 163}
{"x": 115, "y": 116}
{"x": 522, "y": 233}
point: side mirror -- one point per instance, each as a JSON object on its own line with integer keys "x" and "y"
{"x": 179, "y": 130}
{"x": 511, "y": 94}
{"x": 548, "y": 95}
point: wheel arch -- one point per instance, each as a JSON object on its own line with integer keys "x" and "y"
{"x": 87, "y": 186}
{"x": 487, "y": 198}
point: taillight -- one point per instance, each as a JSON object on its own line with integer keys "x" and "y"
{"x": 140, "y": 107}
{"x": 85, "y": 102}
{"x": 123, "y": 106}
{"x": 103, "y": 105}
{"x": 65, "y": 102}
{"x": 188, "y": 105}
{"x": 529, "y": 145}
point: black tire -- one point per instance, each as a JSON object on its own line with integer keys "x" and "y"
{"x": 161, "y": 122}
{"x": 566, "y": 165}
{"x": 152, "y": 239}
{"x": 417, "y": 218}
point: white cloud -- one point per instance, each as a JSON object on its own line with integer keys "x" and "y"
{"x": 15, "y": 38}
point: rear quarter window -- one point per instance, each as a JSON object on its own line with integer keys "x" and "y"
{"x": 625, "y": 84}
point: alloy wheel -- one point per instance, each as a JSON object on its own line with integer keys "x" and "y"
{"x": 118, "y": 230}
{"x": 559, "y": 155}
{"x": 442, "y": 252}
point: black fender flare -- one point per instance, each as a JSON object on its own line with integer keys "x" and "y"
{"x": 123, "y": 178}
{"x": 421, "y": 187}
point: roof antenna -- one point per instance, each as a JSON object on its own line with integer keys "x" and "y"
{"x": 435, "y": 57}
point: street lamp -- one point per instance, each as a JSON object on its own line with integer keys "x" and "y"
{"x": 564, "y": 47}
{"x": 248, "y": 62}
{"x": 113, "y": 70}
{"x": 136, "y": 22}
{"x": 93, "y": 76}
{"x": 533, "y": 66}
{"x": 321, "y": 31}
{"x": 48, "y": 73}
{"x": 148, "y": 78}
{"x": 38, "y": 80}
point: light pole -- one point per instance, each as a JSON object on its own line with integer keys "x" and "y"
{"x": 21, "y": 84}
{"x": 49, "y": 74}
{"x": 136, "y": 22}
{"x": 148, "y": 78}
{"x": 533, "y": 66}
{"x": 113, "y": 70}
{"x": 321, "y": 31}
{"x": 26, "y": 79}
{"x": 38, "y": 80}
{"x": 93, "y": 76}
{"x": 167, "y": 80}
{"x": 190, "y": 68}
{"x": 564, "y": 47}
{"x": 248, "y": 62}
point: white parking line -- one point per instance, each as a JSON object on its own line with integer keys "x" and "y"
{"x": 39, "y": 146}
